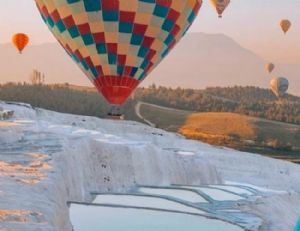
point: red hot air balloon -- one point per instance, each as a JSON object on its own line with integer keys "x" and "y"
{"x": 117, "y": 43}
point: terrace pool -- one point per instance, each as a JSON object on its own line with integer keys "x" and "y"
{"x": 217, "y": 194}
{"x": 145, "y": 202}
{"x": 105, "y": 218}
{"x": 181, "y": 194}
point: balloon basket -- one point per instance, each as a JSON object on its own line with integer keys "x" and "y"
{"x": 115, "y": 113}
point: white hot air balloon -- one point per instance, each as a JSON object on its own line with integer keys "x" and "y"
{"x": 279, "y": 86}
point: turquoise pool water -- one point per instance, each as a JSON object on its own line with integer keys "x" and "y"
{"x": 234, "y": 189}
{"x": 181, "y": 194}
{"x": 95, "y": 218}
{"x": 297, "y": 228}
{"x": 217, "y": 194}
{"x": 168, "y": 208}
{"x": 145, "y": 202}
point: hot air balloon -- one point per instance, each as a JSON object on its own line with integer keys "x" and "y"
{"x": 117, "y": 43}
{"x": 279, "y": 86}
{"x": 220, "y": 6}
{"x": 20, "y": 41}
{"x": 285, "y": 25}
{"x": 270, "y": 67}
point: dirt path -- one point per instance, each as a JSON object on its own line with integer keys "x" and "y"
{"x": 138, "y": 111}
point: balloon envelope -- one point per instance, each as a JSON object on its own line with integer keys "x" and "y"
{"x": 20, "y": 41}
{"x": 279, "y": 86}
{"x": 285, "y": 25}
{"x": 118, "y": 42}
{"x": 270, "y": 67}
{"x": 220, "y": 6}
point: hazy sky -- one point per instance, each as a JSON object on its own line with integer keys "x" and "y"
{"x": 252, "y": 23}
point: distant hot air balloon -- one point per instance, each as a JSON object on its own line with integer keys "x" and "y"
{"x": 20, "y": 41}
{"x": 117, "y": 43}
{"x": 270, "y": 67}
{"x": 220, "y": 6}
{"x": 279, "y": 86}
{"x": 285, "y": 25}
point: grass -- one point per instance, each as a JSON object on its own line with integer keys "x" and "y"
{"x": 275, "y": 139}
{"x": 219, "y": 125}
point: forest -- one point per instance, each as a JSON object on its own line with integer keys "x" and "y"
{"x": 252, "y": 101}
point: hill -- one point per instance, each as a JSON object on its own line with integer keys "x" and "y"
{"x": 276, "y": 139}
{"x": 251, "y": 101}
{"x": 199, "y": 61}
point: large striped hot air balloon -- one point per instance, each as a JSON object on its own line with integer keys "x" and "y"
{"x": 117, "y": 43}
{"x": 20, "y": 41}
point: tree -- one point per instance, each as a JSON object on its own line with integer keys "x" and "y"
{"x": 37, "y": 78}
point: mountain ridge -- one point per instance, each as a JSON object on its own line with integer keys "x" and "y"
{"x": 203, "y": 56}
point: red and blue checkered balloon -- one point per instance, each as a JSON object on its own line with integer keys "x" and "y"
{"x": 118, "y": 42}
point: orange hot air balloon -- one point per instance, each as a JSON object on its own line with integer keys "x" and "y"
{"x": 285, "y": 25}
{"x": 220, "y": 6}
{"x": 20, "y": 40}
{"x": 270, "y": 67}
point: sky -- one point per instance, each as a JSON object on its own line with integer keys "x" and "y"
{"x": 252, "y": 23}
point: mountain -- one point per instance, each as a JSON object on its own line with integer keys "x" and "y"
{"x": 200, "y": 60}
{"x": 48, "y": 58}
{"x": 211, "y": 60}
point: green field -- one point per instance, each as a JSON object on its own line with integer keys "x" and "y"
{"x": 276, "y": 139}
{"x": 166, "y": 118}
